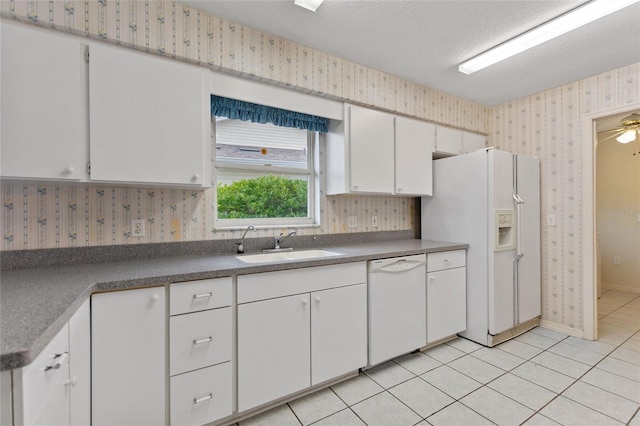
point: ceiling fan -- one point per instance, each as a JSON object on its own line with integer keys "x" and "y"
{"x": 628, "y": 131}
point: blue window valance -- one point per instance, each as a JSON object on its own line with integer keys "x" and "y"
{"x": 247, "y": 111}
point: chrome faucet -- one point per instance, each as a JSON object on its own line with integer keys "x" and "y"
{"x": 240, "y": 245}
{"x": 279, "y": 239}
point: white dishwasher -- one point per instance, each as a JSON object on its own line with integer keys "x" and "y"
{"x": 397, "y": 306}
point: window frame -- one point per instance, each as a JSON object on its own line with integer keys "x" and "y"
{"x": 313, "y": 186}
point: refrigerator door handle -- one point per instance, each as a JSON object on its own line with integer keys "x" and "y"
{"x": 520, "y": 223}
{"x": 519, "y": 255}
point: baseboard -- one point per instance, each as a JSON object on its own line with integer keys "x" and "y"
{"x": 609, "y": 287}
{"x": 561, "y": 328}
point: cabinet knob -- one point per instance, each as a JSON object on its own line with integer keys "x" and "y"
{"x": 155, "y": 297}
{"x": 69, "y": 170}
{"x": 71, "y": 382}
{"x": 195, "y": 177}
{"x": 399, "y": 189}
{"x": 305, "y": 302}
{"x": 318, "y": 299}
{"x": 355, "y": 187}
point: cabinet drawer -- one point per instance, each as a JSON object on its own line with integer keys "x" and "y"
{"x": 199, "y": 340}
{"x": 200, "y": 295}
{"x": 268, "y": 285}
{"x": 201, "y": 396}
{"x": 445, "y": 260}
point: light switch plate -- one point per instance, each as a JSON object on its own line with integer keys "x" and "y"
{"x": 352, "y": 222}
{"x": 374, "y": 221}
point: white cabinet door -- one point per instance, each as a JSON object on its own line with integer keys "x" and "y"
{"x": 446, "y": 303}
{"x": 42, "y": 104}
{"x": 273, "y": 349}
{"x": 6, "y": 400}
{"x": 473, "y": 141}
{"x": 371, "y": 162}
{"x": 414, "y": 143}
{"x": 128, "y": 345}
{"x": 448, "y": 140}
{"x": 149, "y": 119}
{"x": 338, "y": 332}
{"x": 41, "y": 389}
{"x": 80, "y": 365}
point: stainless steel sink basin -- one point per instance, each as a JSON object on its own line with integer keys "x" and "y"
{"x": 287, "y": 256}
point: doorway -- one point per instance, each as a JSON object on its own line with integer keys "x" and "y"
{"x": 589, "y": 250}
{"x": 617, "y": 207}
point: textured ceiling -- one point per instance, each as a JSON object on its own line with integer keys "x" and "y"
{"x": 424, "y": 40}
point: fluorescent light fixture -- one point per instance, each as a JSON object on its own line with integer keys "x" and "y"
{"x": 628, "y": 136}
{"x": 311, "y": 5}
{"x": 564, "y": 23}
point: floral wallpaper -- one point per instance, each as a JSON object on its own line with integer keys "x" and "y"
{"x": 54, "y": 215}
{"x": 549, "y": 125}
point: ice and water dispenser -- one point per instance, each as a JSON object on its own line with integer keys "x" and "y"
{"x": 505, "y": 229}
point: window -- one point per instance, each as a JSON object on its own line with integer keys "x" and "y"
{"x": 264, "y": 174}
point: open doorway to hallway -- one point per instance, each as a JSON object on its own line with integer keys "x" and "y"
{"x": 617, "y": 220}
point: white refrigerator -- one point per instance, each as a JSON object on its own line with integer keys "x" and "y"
{"x": 490, "y": 199}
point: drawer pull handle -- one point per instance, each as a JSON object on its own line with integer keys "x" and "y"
{"x": 59, "y": 358}
{"x": 449, "y": 260}
{"x": 200, "y": 296}
{"x": 202, "y": 399}
{"x": 201, "y": 341}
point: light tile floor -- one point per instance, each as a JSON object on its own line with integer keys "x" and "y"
{"x": 539, "y": 378}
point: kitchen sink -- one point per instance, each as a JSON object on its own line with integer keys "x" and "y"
{"x": 287, "y": 256}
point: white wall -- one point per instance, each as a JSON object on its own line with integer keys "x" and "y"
{"x": 618, "y": 213}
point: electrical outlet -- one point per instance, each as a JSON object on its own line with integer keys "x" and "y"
{"x": 374, "y": 221}
{"x": 616, "y": 260}
{"x": 551, "y": 220}
{"x": 352, "y": 222}
{"x": 137, "y": 228}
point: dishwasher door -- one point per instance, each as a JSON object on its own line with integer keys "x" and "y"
{"x": 397, "y": 307}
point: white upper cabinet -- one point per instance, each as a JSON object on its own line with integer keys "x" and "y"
{"x": 360, "y": 153}
{"x": 150, "y": 120}
{"x": 448, "y": 141}
{"x": 414, "y": 141}
{"x": 368, "y": 154}
{"x": 453, "y": 141}
{"x": 43, "y": 107}
{"x": 473, "y": 142}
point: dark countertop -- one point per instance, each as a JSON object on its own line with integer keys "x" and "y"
{"x": 35, "y": 303}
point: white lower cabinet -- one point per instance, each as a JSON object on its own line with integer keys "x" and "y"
{"x": 201, "y": 396}
{"x": 55, "y": 388}
{"x": 274, "y": 355}
{"x": 446, "y": 294}
{"x": 80, "y": 366}
{"x": 6, "y": 398}
{"x": 288, "y": 342}
{"x": 338, "y": 332}
{"x": 41, "y": 389}
{"x": 128, "y": 357}
{"x": 200, "y": 339}
{"x": 200, "y": 351}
